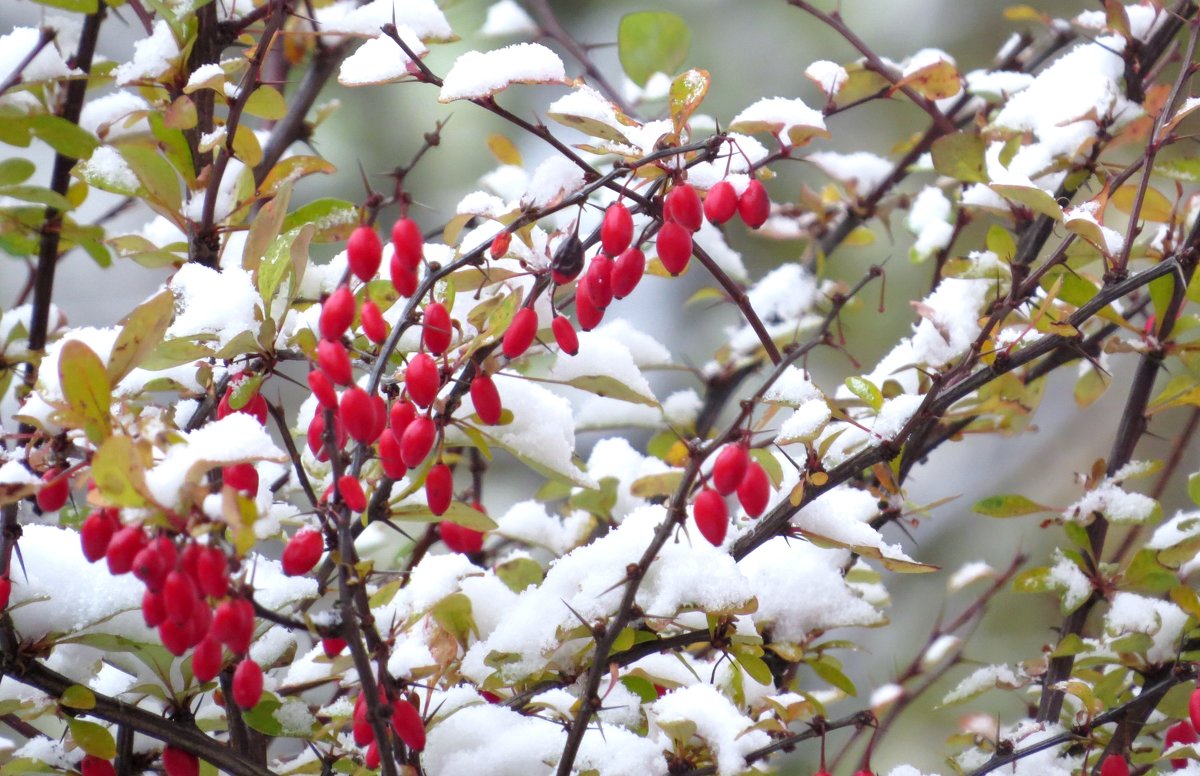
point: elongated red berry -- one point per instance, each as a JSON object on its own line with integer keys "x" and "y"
{"x": 247, "y": 684}
{"x": 400, "y": 415}
{"x": 206, "y": 660}
{"x": 95, "y": 533}
{"x": 150, "y": 567}
{"x": 439, "y": 488}
{"x": 125, "y": 545}
{"x": 350, "y": 489}
{"x": 459, "y": 538}
{"x": 674, "y": 247}
{"x": 333, "y": 646}
{"x": 153, "y": 611}
{"x": 323, "y": 389}
{"x": 91, "y": 765}
{"x": 335, "y": 362}
{"x": 754, "y": 491}
{"x": 54, "y": 492}
{"x": 373, "y": 324}
{"x": 408, "y": 725}
{"x": 616, "y": 231}
{"x": 241, "y": 477}
{"x": 682, "y": 206}
{"x": 417, "y": 440}
{"x": 371, "y": 758}
{"x": 389, "y": 456}
{"x": 721, "y": 203}
{"x": 436, "y": 329}
{"x": 337, "y": 313}
{"x": 486, "y": 398}
{"x": 729, "y": 468}
{"x": 564, "y": 335}
{"x": 316, "y": 435}
{"x": 1194, "y": 708}
{"x": 357, "y": 414}
{"x": 5, "y": 592}
{"x": 404, "y": 279}
{"x": 1114, "y": 765}
{"x": 212, "y": 572}
{"x": 521, "y": 332}
{"x": 627, "y": 272}
{"x": 408, "y": 243}
{"x": 364, "y": 252}
{"x": 174, "y": 636}
{"x": 1180, "y": 733}
{"x": 712, "y": 516}
{"x": 500, "y": 244}
{"x": 754, "y": 206}
{"x": 179, "y": 597}
{"x": 421, "y": 379}
{"x": 379, "y": 416}
{"x": 177, "y": 762}
{"x": 233, "y": 624}
{"x": 302, "y": 552}
{"x": 599, "y": 281}
{"x": 587, "y": 312}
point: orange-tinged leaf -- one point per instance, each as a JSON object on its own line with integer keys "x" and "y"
{"x": 86, "y": 388}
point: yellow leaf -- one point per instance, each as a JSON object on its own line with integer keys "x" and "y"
{"x": 86, "y": 388}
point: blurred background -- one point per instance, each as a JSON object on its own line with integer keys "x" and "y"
{"x": 752, "y": 49}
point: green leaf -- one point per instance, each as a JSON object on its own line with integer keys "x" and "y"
{"x": 78, "y": 697}
{"x": 1193, "y": 488}
{"x": 264, "y": 230}
{"x": 687, "y": 92}
{"x": 334, "y": 219}
{"x": 118, "y": 473}
{"x": 960, "y": 156}
{"x": 640, "y": 686}
{"x": 830, "y": 670}
{"x": 93, "y": 738}
{"x": 649, "y": 42}
{"x": 656, "y": 485}
{"x": 519, "y": 574}
{"x": 262, "y": 716}
{"x": 458, "y": 512}
{"x": 1000, "y": 241}
{"x": 865, "y": 390}
{"x": 1008, "y": 506}
{"x": 39, "y": 195}
{"x": 757, "y": 668}
{"x": 156, "y": 175}
{"x": 770, "y": 463}
{"x": 16, "y": 170}
{"x": 454, "y": 614}
{"x": 64, "y": 137}
{"x": 1037, "y": 200}
{"x": 266, "y": 103}
{"x": 77, "y": 6}
{"x": 86, "y": 389}
{"x": 599, "y": 502}
{"x": 141, "y": 332}
{"x": 291, "y": 169}
{"x": 1186, "y": 169}
{"x": 286, "y": 251}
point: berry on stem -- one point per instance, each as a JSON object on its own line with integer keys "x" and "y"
{"x": 95, "y": 533}
{"x": 408, "y": 244}
{"x": 390, "y": 457}
{"x": 350, "y": 489}
{"x": 407, "y": 722}
{"x": 206, "y": 659}
{"x": 335, "y": 362}
{"x": 364, "y": 252}
{"x": 754, "y": 491}
{"x": 586, "y": 310}
{"x": 241, "y": 477}
{"x": 421, "y": 379}
{"x": 337, "y": 313}
{"x": 404, "y": 280}
{"x": 459, "y": 538}
{"x": 564, "y": 335}
{"x": 55, "y": 491}
{"x": 357, "y": 414}
{"x": 682, "y": 206}
{"x": 730, "y": 468}
{"x": 417, "y": 441}
{"x": 332, "y": 646}
{"x": 616, "y": 231}
{"x": 439, "y": 488}
{"x": 712, "y": 516}
{"x": 500, "y": 244}
{"x": 373, "y": 324}
{"x": 599, "y": 281}
{"x": 247, "y": 684}
{"x": 674, "y": 247}
{"x": 520, "y": 333}
{"x": 627, "y": 272}
{"x": 721, "y": 203}
{"x": 754, "y": 206}
{"x": 177, "y": 762}
{"x": 91, "y": 765}
{"x": 1114, "y": 765}
{"x": 437, "y": 329}
{"x": 302, "y": 552}
{"x": 486, "y": 398}
{"x": 323, "y": 389}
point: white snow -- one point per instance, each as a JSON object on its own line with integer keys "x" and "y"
{"x": 601, "y": 357}
{"x": 475, "y": 74}
{"x": 967, "y": 573}
{"x": 106, "y": 116}
{"x": 211, "y": 302}
{"x": 793, "y": 387}
{"x": 107, "y": 167}
{"x": 552, "y": 180}
{"x": 805, "y": 422}
{"x": 423, "y": 17}
{"x": 715, "y": 720}
{"x": 788, "y": 118}
{"x": 380, "y": 60}
{"x": 829, "y": 76}
{"x": 585, "y": 102}
{"x": 49, "y": 63}
{"x": 929, "y": 219}
{"x": 982, "y": 679}
{"x": 1066, "y": 577}
{"x": 507, "y": 18}
{"x": 1111, "y": 500}
{"x": 861, "y": 170}
{"x": 1162, "y": 620}
{"x": 152, "y": 56}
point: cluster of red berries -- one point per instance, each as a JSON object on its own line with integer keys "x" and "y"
{"x": 406, "y": 722}
{"x": 683, "y": 213}
{"x": 734, "y": 470}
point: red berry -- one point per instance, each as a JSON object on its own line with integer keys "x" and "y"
{"x": 674, "y": 247}
{"x": 682, "y": 206}
{"x": 358, "y": 415}
{"x": 242, "y": 477}
{"x": 712, "y": 516}
{"x": 350, "y": 489}
{"x": 439, "y": 488}
{"x": 91, "y": 765}
{"x": 401, "y": 414}
{"x": 206, "y": 659}
{"x": 179, "y": 597}
{"x": 1194, "y": 708}
{"x": 54, "y": 493}
{"x": 1114, "y": 765}
{"x": 422, "y": 380}
{"x": 417, "y": 440}
{"x": 333, "y": 646}
{"x": 586, "y": 310}
{"x": 521, "y": 332}
{"x": 599, "y": 281}
{"x": 754, "y": 206}
{"x": 247, "y": 684}
{"x": 486, "y": 399}
{"x": 316, "y": 435}
{"x": 364, "y": 734}
{"x": 337, "y": 313}
{"x": 436, "y": 329}
{"x": 364, "y": 252}
{"x": 564, "y": 335}
{"x": 627, "y": 272}
{"x": 151, "y": 567}
{"x": 125, "y": 545}
{"x": 729, "y": 468}
{"x": 408, "y": 243}
{"x": 302, "y": 552}
{"x": 335, "y": 362}
{"x": 174, "y": 637}
{"x": 754, "y": 491}
{"x": 371, "y": 759}
{"x": 721, "y": 203}
{"x": 408, "y": 724}
{"x": 95, "y": 534}
{"x": 198, "y": 626}
{"x": 616, "y": 232}
{"x": 567, "y": 262}
{"x": 403, "y": 279}
{"x": 1180, "y": 733}
{"x": 256, "y": 408}
{"x": 389, "y": 456}
{"x": 322, "y": 388}
{"x": 233, "y": 624}
{"x": 212, "y": 572}
{"x": 459, "y": 538}
{"x": 177, "y": 762}
{"x": 5, "y": 592}
{"x": 373, "y": 324}
{"x": 153, "y": 611}
{"x": 500, "y": 244}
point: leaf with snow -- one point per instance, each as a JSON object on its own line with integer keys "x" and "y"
{"x": 830, "y": 77}
{"x": 789, "y": 118}
{"x": 603, "y": 367}
{"x": 588, "y": 111}
{"x": 475, "y": 75}
{"x": 380, "y": 60}
{"x": 932, "y": 74}
{"x": 984, "y": 679}
{"x": 507, "y": 18}
{"x": 554, "y": 179}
